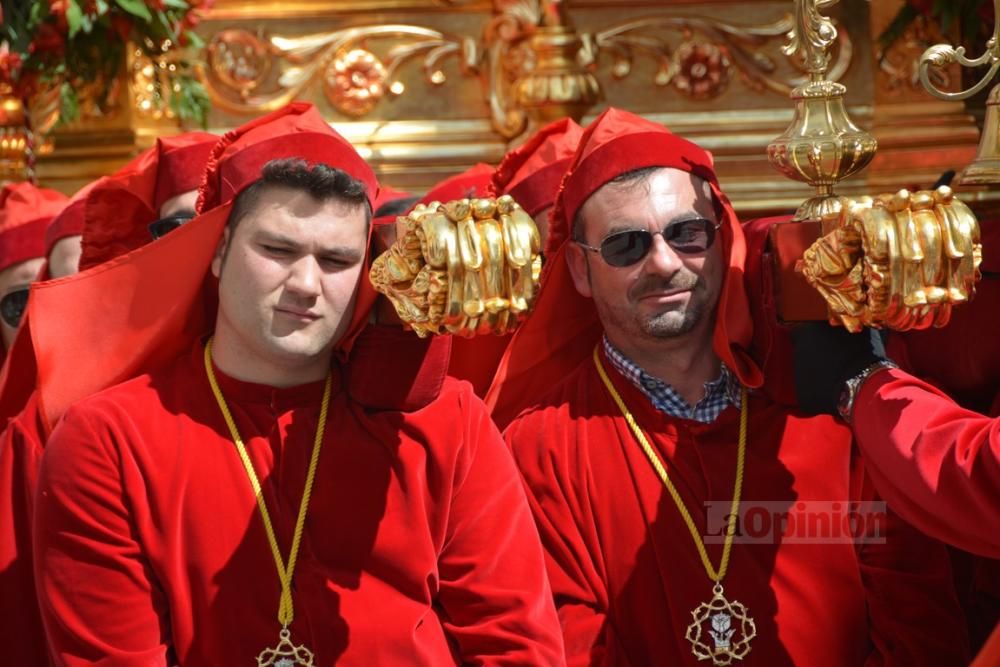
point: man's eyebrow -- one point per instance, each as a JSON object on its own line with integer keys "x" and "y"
{"x": 275, "y": 239}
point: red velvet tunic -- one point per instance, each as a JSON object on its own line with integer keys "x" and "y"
{"x": 937, "y": 463}
{"x": 20, "y": 453}
{"x": 419, "y": 546}
{"x": 624, "y": 568}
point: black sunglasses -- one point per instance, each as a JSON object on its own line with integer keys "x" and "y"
{"x": 160, "y": 228}
{"x": 690, "y": 237}
{"x": 12, "y": 306}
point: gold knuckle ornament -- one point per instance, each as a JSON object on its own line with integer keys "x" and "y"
{"x": 899, "y": 261}
{"x": 468, "y": 267}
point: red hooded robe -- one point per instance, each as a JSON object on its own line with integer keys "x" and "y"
{"x": 112, "y": 214}
{"x": 622, "y": 564}
{"x": 418, "y": 548}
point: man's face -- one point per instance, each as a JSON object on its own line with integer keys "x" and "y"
{"x": 667, "y": 294}
{"x": 64, "y": 258}
{"x": 288, "y": 274}
{"x": 12, "y": 279}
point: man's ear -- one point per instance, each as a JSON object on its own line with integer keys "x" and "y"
{"x": 576, "y": 261}
{"x": 220, "y": 253}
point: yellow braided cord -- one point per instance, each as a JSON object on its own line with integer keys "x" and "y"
{"x": 654, "y": 459}
{"x": 286, "y": 610}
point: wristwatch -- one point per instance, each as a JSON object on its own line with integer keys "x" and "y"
{"x": 845, "y": 406}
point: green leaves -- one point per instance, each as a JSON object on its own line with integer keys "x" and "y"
{"x": 136, "y": 8}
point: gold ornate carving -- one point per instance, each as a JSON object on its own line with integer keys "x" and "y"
{"x": 535, "y": 69}
{"x": 899, "y": 65}
{"x": 355, "y": 79}
{"x": 699, "y": 66}
{"x": 468, "y": 267}
{"x": 985, "y": 169}
{"x": 822, "y": 146}
{"x": 356, "y": 82}
{"x": 898, "y": 261}
{"x": 943, "y": 55}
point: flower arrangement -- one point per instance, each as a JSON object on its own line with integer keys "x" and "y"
{"x": 970, "y": 15}
{"x": 79, "y": 45}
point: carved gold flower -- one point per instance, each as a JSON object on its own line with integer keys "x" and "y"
{"x": 701, "y": 69}
{"x": 355, "y": 82}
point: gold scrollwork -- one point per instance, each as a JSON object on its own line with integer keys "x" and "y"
{"x": 468, "y": 267}
{"x": 354, "y": 78}
{"x": 901, "y": 261}
{"x": 699, "y": 66}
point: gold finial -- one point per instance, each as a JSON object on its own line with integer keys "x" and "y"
{"x": 822, "y": 146}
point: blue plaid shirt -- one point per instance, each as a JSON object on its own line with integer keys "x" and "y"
{"x": 719, "y": 393}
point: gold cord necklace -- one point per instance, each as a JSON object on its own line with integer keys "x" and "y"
{"x": 285, "y": 653}
{"x": 729, "y": 642}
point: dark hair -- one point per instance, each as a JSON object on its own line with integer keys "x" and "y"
{"x": 396, "y": 207}
{"x": 631, "y": 179}
{"x": 322, "y": 181}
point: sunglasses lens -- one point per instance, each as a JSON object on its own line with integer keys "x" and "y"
{"x": 626, "y": 248}
{"x": 12, "y": 307}
{"x": 690, "y": 236}
{"x": 164, "y": 226}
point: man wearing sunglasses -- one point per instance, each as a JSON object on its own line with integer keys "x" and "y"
{"x": 25, "y": 211}
{"x": 664, "y": 487}
{"x": 104, "y": 220}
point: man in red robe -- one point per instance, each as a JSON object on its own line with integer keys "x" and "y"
{"x": 108, "y": 218}
{"x": 384, "y": 537}
{"x": 652, "y": 449}
{"x": 25, "y": 211}
{"x": 935, "y": 462}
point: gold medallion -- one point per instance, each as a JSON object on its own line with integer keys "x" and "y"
{"x": 729, "y": 632}
{"x": 285, "y": 654}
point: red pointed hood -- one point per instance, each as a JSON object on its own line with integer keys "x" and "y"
{"x": 532, "y": 172}
{"x": 137, "y": 311}
{"x": 564, "y": 327}
{"x": 120, "y": 207}
{"x": 473, "y": 182}
{"x": 69, "y": 222}
{"x": 25, "y": 212}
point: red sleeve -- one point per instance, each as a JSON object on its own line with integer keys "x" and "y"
{"x": 21, "y": 632}
{"x": 493, "y": 588}
{"x": 935, "y": 463}
{"x": 914, "y": 617}
{"x": 573, "y": 561}
{"x": 99, "y": 598}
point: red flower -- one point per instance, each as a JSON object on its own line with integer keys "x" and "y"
{"x": 10, "y": 63}
{"x": 156, "y": 5}
{"x": 48, "y": 41}
{"x": 57, "y": 8}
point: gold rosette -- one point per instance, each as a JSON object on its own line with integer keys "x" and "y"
{"x": 468, "y": 267}
{"x": 899, "y": 261}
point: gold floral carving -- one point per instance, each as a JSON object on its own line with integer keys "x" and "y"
{"x": 709, "y": 49}
{"x": 238, "y": 73}
{"x": 901, "y": 261}
{"x": 468, "y": 267}
{"x": 356, "y": 82}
